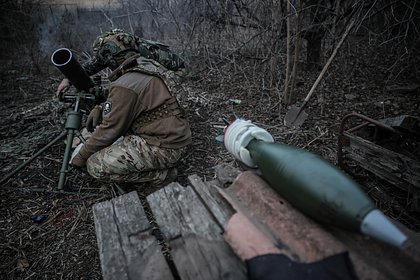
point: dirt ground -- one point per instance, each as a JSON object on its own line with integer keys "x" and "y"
{"x": 63, "y": 246}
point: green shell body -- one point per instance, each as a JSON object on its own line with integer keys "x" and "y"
{"x": 311, "y": 184}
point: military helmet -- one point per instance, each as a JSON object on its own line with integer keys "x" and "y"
{"x": 110, "y": 44}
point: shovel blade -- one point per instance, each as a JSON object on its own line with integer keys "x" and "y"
{"x": 295, "y": 117}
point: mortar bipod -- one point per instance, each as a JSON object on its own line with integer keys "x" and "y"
{"x": 72, "y": 127}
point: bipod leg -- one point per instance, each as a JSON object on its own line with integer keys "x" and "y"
{"x": 73, "y": 124}
{"x": 20, "y": 167}
{"x": 65, "y": 164}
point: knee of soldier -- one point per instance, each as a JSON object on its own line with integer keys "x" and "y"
{"x": 94, "y": 168}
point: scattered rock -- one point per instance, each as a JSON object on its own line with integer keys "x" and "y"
{"x": 350, "y": 96}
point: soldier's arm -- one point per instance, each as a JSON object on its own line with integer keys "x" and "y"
{"x": 63, "y": 87}
{"x": 119, "y": 112}
{"x": 91, "y": 67}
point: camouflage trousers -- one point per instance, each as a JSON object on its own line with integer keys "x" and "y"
{"x": 133, "y": 160}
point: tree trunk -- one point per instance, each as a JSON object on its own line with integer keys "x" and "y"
{"x": 315, "y": 34}
{"x": 289, "y": 57}
{"x": 276, "y": 14}
{"x": 314, "y": 49}
{"x": 292, "y": 95}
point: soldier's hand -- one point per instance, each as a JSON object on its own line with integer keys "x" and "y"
{"x": 76, "y": 159}
{"x": 246, "y": 240}
{"x": 94, "y": 118}
{"x": 63, "y": 87}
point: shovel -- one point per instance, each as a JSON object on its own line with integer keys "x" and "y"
{"x": 296, "y": 116}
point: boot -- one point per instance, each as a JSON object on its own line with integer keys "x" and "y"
{"x": 171, "y": 175}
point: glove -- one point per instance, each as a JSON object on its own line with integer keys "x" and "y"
{"x": 76, "y": 159}
{"x": 94, "y": 118}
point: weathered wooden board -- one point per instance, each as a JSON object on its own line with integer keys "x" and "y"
{"x": 197, "y": 246}
{"x": 127, "y": 250}
{"x": 388, "y": 165}
{"x": 390, "y": 262}
{"x": 218, "y": 207}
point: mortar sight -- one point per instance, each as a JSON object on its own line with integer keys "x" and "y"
{"x": 64, "y": 60}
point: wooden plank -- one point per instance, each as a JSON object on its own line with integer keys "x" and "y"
{"x": 178, "y": 210}
{"x": 200, "y": 258}
{"x": 388, "y": 165}
{"x": 197, "y": 246}
{"x": 391, "y": 262}
{"x": 126, "y": 248}
{"x": 221, "y": 210}
{"x": 151, "y": 265}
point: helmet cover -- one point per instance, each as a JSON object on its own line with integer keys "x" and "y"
{"x": 110, "y": 44}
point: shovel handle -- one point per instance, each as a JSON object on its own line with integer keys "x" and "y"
{"x": 299, "y": 112}
{"x": 327, "y": 65}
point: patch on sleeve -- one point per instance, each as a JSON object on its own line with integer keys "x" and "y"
{"x": 107, "y": 107}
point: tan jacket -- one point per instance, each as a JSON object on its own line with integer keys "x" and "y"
{"x": 130, "y": 97}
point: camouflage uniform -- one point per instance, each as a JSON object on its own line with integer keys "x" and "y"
{"x": 142, "y": 108}
{"x": 93, "y": 66}
{"x": 133, "y": 160}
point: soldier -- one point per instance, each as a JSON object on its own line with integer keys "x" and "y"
{"x": 149, "y": 49}
{"x": 141, "y": 108}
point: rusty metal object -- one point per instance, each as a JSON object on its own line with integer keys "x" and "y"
{"x": 342, "y": 139}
